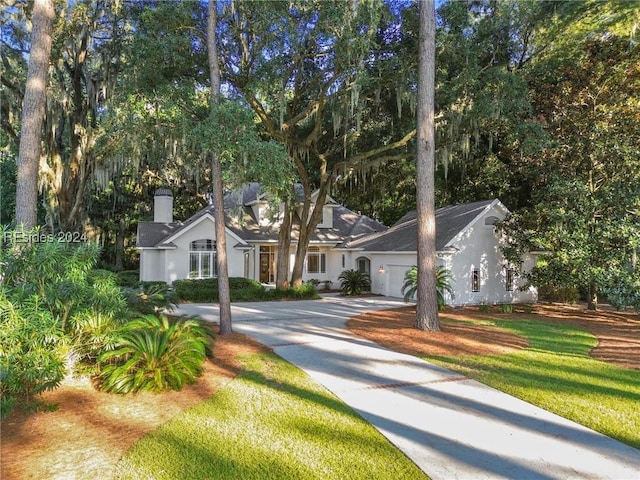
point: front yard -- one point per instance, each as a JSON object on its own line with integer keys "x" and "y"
{"x": 545, "y": 358}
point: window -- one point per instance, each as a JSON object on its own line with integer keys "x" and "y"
{"x": 475, "y": 280}
{"x": 343, "y": 261}
{"x": 316, "y": 261}
{"x": 508, "y": 279}
{"x": 202, "y": 259}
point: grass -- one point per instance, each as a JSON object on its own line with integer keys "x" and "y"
{"x": 556, "y": 373}
{"x": 270, "y": 422}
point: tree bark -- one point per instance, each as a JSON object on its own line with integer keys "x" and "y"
{"x": 284, "y": 246}
{"x": 33, "y": 108}
{"x": 224, "y": 296}
{"x": 427, "y": 300}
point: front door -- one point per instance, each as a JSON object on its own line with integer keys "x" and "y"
{"x": 267, "y": 263}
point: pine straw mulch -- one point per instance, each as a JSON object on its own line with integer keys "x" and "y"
{"x": 89, "y": 431}
{"x": 618, "y": 333}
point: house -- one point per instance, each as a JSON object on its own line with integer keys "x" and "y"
{"x": 466, "y": 244}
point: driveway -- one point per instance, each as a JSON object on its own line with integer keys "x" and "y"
{"x": 450, "y": 426}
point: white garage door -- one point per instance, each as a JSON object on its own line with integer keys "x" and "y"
{"x": 395, "y": 280}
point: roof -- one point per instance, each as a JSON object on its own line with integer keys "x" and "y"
{"x": 403, "y": 236}
{"x": 240, "y": 220}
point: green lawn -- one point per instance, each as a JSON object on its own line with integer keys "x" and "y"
{"x": 556, "y": 373}
{"x": 270, "y": 422}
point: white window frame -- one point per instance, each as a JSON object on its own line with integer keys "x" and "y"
{"x": 320, "y": 258}
{"x": 509, "y": 279}
{"x": 201, "y": 253}
{"x": 475, "y": 280}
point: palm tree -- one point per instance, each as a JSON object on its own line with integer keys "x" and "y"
{"x": 443, "y": 284}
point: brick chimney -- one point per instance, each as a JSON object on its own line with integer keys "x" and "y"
{"x": 163, "y": 206}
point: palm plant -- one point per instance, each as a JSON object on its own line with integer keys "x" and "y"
{"x": 154, "y": 354}
{"x": 354, "y": 282}
{"x": 443, "y": 284}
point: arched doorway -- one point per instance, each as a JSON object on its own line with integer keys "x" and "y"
{"x": 363, "y": 265}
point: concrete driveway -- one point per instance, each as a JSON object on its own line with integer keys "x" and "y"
{"x": 450, "y": 426}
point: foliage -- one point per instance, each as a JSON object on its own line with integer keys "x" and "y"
{"x": 584, "y": 206}
{"x": 153, "y": 354}
{"x": 558, "y": 294}
{"x": 354, "y": 282}
{"x": 242, "y": 290}
{"x": 443, "y": 284}
{"x": 206, "y": 290}
{"x": 622, "y": 289}
{"x": 128, "y": 278}
{"x": 151, "y": 297}
{"x": 31, "y": 351}
{"x": 270, "y": 422}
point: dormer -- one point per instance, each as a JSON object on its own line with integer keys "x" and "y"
{"x": 327, "y": 216}
{"x": 264, "y": 213}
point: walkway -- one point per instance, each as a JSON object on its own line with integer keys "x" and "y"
{"x": 450, "y": 426}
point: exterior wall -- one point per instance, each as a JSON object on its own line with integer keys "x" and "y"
{"x": 177, "y": 260}
{"x": 477, "y": 247}
{"x": 388, "y": 271}
{"x": 152, "y": 266}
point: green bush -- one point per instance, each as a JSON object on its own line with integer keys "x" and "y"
{"x": 443, "y": 284}
{"x": 206, "y": 290}
{"x": 151, "y": 297}
{"x": 31, "y": 352}
{"x": 201, "y": 291}
{"x": 154, "y": 354}
{"x": 353, "y": 282}
{"x": 552, "y": 293}
{"x": 128, "y": 278}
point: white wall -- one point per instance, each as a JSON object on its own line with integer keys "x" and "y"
{"x": 476, "y": 248}
{"x": 173, "y": 264}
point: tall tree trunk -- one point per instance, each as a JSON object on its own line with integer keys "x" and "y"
{"x": 224, "y": 296}
{"x": 33, "y": 113}
{"x": 592, "y": 294}
{"x": 284, "y": 246}
{"x": 308, "y": 223}
{"x": 427, "y": 299}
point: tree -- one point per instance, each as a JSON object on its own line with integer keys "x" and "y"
{"x": 302, "y": 67}
{"x": 224, "y": 295}
{"x": 32, "y": 114}
{"x": 427, "y": 307}
{"x": 585, "y": 206}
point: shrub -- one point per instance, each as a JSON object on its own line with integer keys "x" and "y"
{"x": 31, "y": 353}
{"x": 128, "y": 278}
{"x": 206, "y": 290}
{"x": 154, "y": 354}
{"x": 559, "y": 294}
{"x": 443, "y": 284}
{"x": 151, "y": 297}
{"x": 506, "y": 308}
{"x": 353, "y": 282}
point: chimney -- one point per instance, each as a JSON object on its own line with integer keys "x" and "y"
{"x": 163, "y": 206}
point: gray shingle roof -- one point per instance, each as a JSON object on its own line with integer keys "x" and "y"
{"x": 403, "y": 236}
{"x": 241, "y": 221}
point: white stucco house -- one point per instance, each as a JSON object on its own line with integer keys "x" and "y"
{"x": 467, "y": 244}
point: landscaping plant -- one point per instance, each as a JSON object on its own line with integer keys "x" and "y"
{"x": 153, "y": 354}
{"x": 443, "y": 284}
{"x": 354, "y": 282}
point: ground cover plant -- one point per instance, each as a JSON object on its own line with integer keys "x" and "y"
{"x": 553, "y": 368}
{"x": 271, "y": 422}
